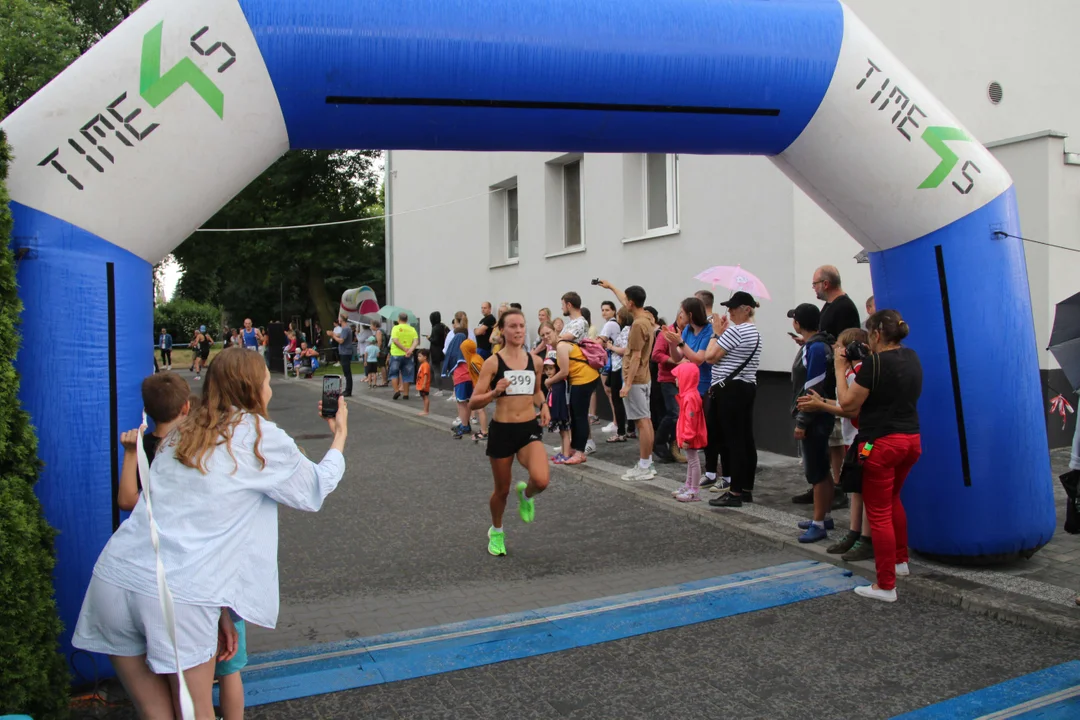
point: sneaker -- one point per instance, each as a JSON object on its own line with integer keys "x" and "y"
{"x": 496, "y": 542}
{"x": 639, "y": 473}
{"x": 902, "y": 570}
{"x": 575, "y": 459}
{"x": 721, "y": 486}
{"x": 397, "y": 396}
{"x": 680, "y": 490}
{"x": 678, "y": 454}
{"x": 559, "y": 459}
{"x": 590, "y": 447}
{"x": 869, "y": 591}
{"x": 526, "y": 505}
{"x": 689, "y": 495}
{"x": 707, "y": 481}
{"x": 747, "y": 497}
{"x": 806, "y": 498}
{"x": 862, "y": 550}
{"x": 805, "y": 524}
{"x": 728, "y": 500}
{"x": 609, "y": 428}
{"x": 813, "y": 534}
{"x": 461, "y": 431}
{"x": 662, "y": 453}
{"x": 844, "y": 545}
{"x": 196, "y": 377}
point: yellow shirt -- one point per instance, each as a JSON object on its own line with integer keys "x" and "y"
{"x": 404, "y": 334}
{"x": 581, "y": 373}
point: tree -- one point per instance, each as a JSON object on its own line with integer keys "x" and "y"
{"x": 95, "y": 18}
{"x": 247, "y": 272}
{"x": 35, "y": 679}
{"x": 39, "y": 40}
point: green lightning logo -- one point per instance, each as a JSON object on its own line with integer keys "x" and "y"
{"x": 157, "y": 88}
{"x": 936, "y": 137}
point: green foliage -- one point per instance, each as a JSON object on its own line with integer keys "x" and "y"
{"x": 39, "y": 39}
{"x": 95, "y": 18}
{"x": 247, "y": 273}
{"x": 182, "y": 317}
{"x": 35, "y": 679}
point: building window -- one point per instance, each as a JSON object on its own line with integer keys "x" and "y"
{"x": 661, "y": 191}
{"x": 510, "y": 202}
{"x": 650, "y": 195}
{"x": 503, "y": 223}
{"x": 573, "y": 215}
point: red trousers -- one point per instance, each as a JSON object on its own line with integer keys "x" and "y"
{"x": 884, "y": 472}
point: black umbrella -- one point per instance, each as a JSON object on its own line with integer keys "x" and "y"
{"x": 1065, "y": 338}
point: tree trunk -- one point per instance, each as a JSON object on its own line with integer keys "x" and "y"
{"x": 325, "y": 306}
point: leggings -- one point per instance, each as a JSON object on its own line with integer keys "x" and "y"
{"x": 166, "y": 357}
{"x": 716, "y": 452}
{"x": 665, "y": 433}
{"x": 580, "y": 395}
{"x": 615, "y": 382}
{"x": 693, "y": 469}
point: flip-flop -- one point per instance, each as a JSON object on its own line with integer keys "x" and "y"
{"x": 617, "y": 439}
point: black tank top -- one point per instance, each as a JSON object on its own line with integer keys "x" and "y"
{"x": 500, "y": 373}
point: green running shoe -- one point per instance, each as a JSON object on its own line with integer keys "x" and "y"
{"x": 496, "y": 542}
{"x": 526, "y": 506}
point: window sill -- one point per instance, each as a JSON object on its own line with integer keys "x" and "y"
{"x": 568, "y": 251}
{"x": 507, "y": 263}
{"x": 658, "y": 233}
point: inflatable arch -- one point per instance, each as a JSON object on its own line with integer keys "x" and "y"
{"x": 174, "y": 112}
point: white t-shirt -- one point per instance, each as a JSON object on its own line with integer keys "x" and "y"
{"x": 610, "y": 330}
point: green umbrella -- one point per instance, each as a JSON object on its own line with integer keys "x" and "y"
{"x": 391, "y": 312}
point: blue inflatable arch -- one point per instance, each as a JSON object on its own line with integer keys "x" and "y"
{"x": 163, "y": 121}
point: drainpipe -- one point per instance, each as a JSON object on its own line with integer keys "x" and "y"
{"x": 388, "y": 228}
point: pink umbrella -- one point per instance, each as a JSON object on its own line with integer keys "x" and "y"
{"x": 733, "y": 277}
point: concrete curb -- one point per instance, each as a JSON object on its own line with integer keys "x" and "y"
{"x": 924, "y": 582}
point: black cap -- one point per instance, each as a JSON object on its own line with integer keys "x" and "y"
{"x": 740, "y": 299}
{"x": 808, "y": 316}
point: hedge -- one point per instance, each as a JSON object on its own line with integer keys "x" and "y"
{"x": 34, "y": 674}
{"x": 182, "y": 317}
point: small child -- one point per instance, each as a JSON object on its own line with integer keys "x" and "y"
{"x": 167, "y": 399}
{"x": 690, "y": 433}
{"x": 559, "y": 409}
{"x": 423, "y": 378}
{"x": 371, "y": 362}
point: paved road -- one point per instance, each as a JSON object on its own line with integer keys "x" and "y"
{"x": 401, "y": 545}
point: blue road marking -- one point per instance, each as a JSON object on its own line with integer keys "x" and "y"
{"x": 1051, "y": 694}
{"x": 333, "y": 667}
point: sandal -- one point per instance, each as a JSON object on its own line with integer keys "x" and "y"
{"x": 594, "y": 419}
{"x": 616, "y": 438}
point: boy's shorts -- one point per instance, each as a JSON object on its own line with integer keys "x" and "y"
{"x": 371, "y": 368}
{"x": 423, "y": 393}
{"x": 463, "y": 391}
{"x": 238, "y": 661}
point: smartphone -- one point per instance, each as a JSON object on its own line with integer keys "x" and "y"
{"x": 793, "y": 335}
{"x": 596, "y": 281}
{"x": 331, "y": 391}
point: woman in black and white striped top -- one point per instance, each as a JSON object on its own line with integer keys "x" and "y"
{"x": 735, "y": 353}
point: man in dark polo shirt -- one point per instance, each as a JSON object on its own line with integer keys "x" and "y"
{"x": 837, "y": 315}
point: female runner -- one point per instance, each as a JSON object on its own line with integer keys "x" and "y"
{"x": 514, "y": 431}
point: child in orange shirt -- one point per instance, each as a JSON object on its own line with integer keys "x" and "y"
{"x": 423, "y": 378}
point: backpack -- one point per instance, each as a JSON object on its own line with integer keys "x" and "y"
{"x": 595, "y": 354}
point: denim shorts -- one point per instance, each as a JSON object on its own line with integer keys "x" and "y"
{"x": 402, "y": 367}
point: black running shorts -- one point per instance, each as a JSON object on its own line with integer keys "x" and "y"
{"x": 506, "y": 439}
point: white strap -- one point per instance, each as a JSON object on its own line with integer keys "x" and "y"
{"x": 187, "y": 707}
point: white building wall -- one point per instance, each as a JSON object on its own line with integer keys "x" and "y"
{"x": 741, "y": 210}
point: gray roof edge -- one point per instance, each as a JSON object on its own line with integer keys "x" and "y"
{"x": 1025, "y": 138}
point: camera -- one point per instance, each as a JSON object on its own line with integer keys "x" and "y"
{"x": 856, "y": 352}
{"x": 596, "y": 281}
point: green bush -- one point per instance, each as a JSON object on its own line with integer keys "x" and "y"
{"x": 35, "y": 679}
{"x": 182, "y": 317}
